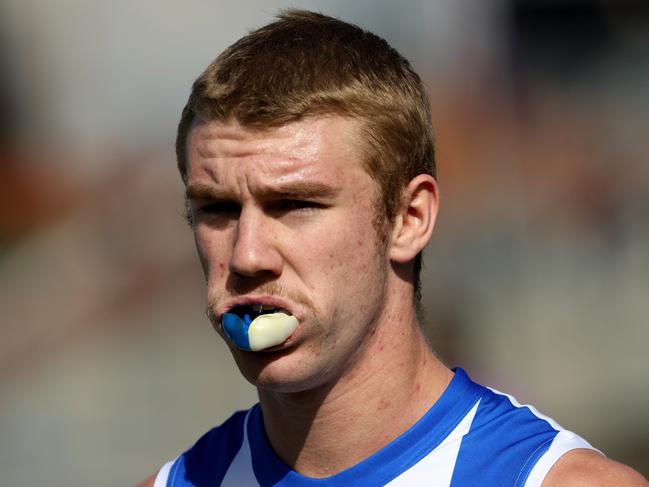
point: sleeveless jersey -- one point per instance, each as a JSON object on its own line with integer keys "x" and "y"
{"x": 472, "y": 435}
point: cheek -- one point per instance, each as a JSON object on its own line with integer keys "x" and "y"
{"x": 202, "y": 254}
{"x": 211, "y": 260}
{"x": 349, "y": 250}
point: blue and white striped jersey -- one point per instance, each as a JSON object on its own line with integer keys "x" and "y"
{"x": 472, "y": 435}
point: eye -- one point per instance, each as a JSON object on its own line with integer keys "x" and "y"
{"x": 298, "y": 206}
{"x": 216, "y": 209}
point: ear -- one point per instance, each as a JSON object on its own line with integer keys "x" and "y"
{"x": 413, "y": 226}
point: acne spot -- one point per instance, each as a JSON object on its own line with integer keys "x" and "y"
{"x": 222, "y": 268}
{"x": 383, "y": 404}
{"x": 418, "y": 387}
{"x": 359, "y": 243}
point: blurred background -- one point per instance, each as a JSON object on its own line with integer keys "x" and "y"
{"x": 536, "y": 282}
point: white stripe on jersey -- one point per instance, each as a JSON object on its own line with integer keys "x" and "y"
{"x": 436, "y": 468}
{"x": 240, "y": 472}
{"x": 163, "y": 474}
{"x": 562, "y": 443}
{"x": 536, "y": 413}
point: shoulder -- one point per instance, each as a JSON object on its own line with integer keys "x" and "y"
{"x": 590, "y": 468}
{"x": 148, "y": 482}
{"x": 510, "y": 443}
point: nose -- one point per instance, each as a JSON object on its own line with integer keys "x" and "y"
{"x": 255, "y": 252}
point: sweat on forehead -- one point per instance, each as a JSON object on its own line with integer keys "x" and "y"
{"x": 286, "y": 150}
{"x": 313, "y": 161}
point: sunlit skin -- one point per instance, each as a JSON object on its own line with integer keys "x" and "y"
{"x": 280, "y": 219}
{"x": 288, "y": 215}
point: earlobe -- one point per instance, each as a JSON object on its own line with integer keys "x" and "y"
{"x": 414, "y": 224}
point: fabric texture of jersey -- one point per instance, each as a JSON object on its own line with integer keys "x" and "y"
{"x": 472, "y": 435}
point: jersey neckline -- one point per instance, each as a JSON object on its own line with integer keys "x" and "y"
{"x": 396, "y": 457}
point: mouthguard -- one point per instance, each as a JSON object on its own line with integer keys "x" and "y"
{"x": 265, "y": 331}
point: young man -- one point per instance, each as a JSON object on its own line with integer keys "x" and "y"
{"x": 307, "y": 153}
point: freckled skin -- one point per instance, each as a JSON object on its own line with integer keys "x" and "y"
{"x": 358, "y": 338}
{"x": 304, "y": 254}
{"x": 383, "y": 404}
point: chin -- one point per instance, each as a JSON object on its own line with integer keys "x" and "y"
{"x": 281, "y": 371}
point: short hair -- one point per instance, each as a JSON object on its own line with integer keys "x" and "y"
{"x": 308, "y": 64}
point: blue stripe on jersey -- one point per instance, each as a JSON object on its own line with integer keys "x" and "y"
{"x": 503, "y": 445}
{"x": 396, "y": 457}
{"x": 205, "y": 463}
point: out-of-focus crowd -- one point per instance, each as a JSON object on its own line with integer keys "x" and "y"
{"x": 536, "y": 280}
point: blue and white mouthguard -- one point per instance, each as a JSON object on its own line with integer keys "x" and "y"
{"x": 263, "y": 332}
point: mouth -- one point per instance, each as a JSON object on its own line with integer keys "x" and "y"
{"x": 249, "y": 312}
{"x": 256, "y": 327}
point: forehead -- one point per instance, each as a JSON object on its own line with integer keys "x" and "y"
{"x": 314, "y": 146}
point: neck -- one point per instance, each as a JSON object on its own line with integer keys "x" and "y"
{"x": 393, "y": 381}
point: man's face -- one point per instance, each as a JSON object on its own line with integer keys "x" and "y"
{"x": 287, "y": 217}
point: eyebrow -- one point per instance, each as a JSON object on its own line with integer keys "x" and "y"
{"x": 203, "y": 192}
{"x": 298, "y": 190}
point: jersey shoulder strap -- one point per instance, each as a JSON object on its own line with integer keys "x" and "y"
{"x": 208, "y": 460}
